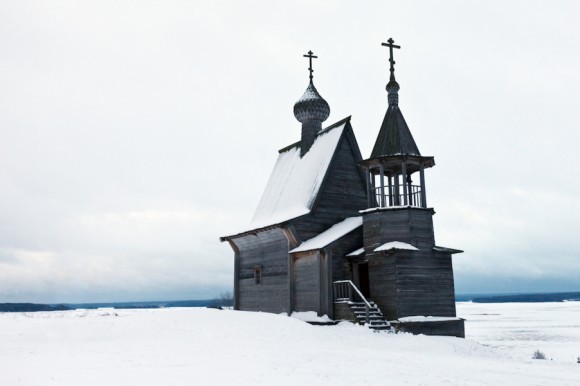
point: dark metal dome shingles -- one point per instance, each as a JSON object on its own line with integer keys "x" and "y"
{"x": 311, "y": 106}
{"x": 394, "y": 138}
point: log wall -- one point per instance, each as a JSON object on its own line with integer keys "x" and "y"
{"x": 269, "y": 251}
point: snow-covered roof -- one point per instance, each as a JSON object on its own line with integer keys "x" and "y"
{"x": 295, "y": 181}
{"x": 330, "y": 235}
{"x": 358, "y": 252}
{"x": 395, "y": 245}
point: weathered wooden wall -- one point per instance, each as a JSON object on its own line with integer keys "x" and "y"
{"x": 269, "y": 250}
{"x": 442, "y": 328}
{"x": 341, "y": 268}
{"x": 411, "y": 283}
{"x": 342, "y": 194}
{"x": 425, "y": 284}
{"x": 409, "y": 225}
{"x": 403, "y": 282}
{"x": 342, "y": 311}
{"x": 383, "y": 284}
{"x": 307, "y": 282}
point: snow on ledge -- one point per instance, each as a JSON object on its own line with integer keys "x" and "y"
{"x": 398, "y": 207}
{"x": 395, "y": 245}
{"x": 330, "y": 235}
{"x": 407, "y": 319}
{"x": 310, "y": 316}
{"x": 358, "y": 252}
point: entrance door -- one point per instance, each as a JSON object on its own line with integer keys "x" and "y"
{"x": 363, "y": 279}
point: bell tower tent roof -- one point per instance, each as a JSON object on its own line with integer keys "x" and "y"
{"x": 394, "y": 137}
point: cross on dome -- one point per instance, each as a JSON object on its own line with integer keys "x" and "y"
{"x": 310, "y": 56}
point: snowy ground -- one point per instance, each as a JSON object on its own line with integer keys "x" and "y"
{"x": 519, "y": 329}
{"x": 192, "y": 346}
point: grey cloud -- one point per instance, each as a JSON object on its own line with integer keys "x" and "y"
{"x": 132, "y": 137}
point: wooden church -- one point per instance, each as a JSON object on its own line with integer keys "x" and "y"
{"x": 344, "y": 236}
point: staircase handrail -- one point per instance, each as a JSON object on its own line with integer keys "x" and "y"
{"x": 367, "y": 304}
{"x": 356, "y": 289}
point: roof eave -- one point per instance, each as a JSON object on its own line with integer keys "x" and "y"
{"x": 263, "y": 229}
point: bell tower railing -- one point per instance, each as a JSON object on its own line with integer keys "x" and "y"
{"x": 392, "y": 185}
{"x": 392, "y": 198}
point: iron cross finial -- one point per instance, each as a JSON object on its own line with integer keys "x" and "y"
{"x": 310, "y": 55}
{"x": 391, "y": 60}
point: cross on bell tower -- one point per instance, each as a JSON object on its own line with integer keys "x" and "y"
{"x": 391, "y": 60}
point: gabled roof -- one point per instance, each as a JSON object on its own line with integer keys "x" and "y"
{"x": 394, "y": 137}
{"x": 295, "y": 181}
{"x": 330, "y": 235}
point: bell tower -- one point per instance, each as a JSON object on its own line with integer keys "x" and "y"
{"x": 395, "y": 158}
{"x": 409, "y": 275}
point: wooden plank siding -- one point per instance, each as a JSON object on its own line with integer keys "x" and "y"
{"x": 442, "y": 328}
{"x": 403, "y": 282}
{"x": 307, "y": 285}
{"x": 342, "y": 193}
{"x": 342, "y": 311}
{"x": 425, "y": 284}
{"x": 268, "y": 250}
{"x": 341, "y": 268}
{"x": 383, "y": 283}
{"x": 410, "y": 283}
{"x": 409, "y": 225}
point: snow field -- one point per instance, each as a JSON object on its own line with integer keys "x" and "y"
{"x": 519, "y": 329}
{"x": 194, "y": 346}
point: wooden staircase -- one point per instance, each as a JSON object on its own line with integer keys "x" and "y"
{"x": 362, "y": 310}
{"x": 376, "y": 320}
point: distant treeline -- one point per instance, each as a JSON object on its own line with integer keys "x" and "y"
{"x": 529, "y": 298}
{"x": 160, "y": 304}
{"x": 32, "y": 307}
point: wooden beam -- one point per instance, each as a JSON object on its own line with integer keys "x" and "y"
{"x": 236, "y": 274}
{"x": 382, "y": 171}
{"x": 404, "y": 170}
{"x": 423, "y": 192}
{"x": 368, "y": 186}
{"x": 390, "y": 191}
{"x": 397, "y": 196}
{"x": 329, "y": 280}
{"x": 373, "y": 195}
{"x": 293, "y": 242}
{"x": 321, "y": 275}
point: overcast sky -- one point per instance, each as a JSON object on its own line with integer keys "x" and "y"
{"x": 133, "y": 134}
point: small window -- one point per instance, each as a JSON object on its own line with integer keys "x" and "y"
{"x": 258, "y": 275}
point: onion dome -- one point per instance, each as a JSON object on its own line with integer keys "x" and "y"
{"x": 393, "y": 92}
{"x": 311, "y": 106}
